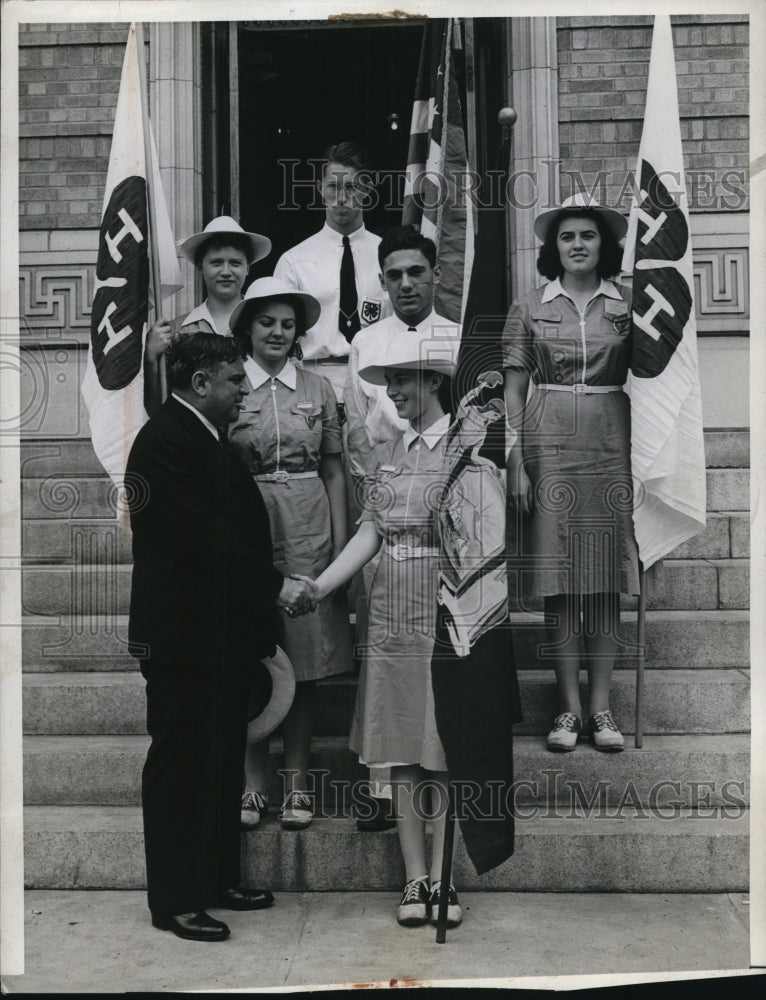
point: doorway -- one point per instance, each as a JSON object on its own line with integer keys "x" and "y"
{"x": 304, "y": 87}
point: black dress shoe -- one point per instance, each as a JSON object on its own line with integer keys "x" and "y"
{"x": 235, "y": 899}
{"x": 192, "y": 926}
{"x": 380, "y": 819}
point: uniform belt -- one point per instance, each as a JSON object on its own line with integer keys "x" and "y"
{"x": 579, "y": 387}
{"x": 283, "y": 477}
{"x": 403, "y": 550}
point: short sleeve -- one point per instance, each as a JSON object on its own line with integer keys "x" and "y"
{"x": 332, "y": 436}
{"x": 517, "y": 339}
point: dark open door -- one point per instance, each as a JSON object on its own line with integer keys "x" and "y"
{"x": 279, "y": 92}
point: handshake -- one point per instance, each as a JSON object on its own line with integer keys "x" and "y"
{"x": 298, "y": 595}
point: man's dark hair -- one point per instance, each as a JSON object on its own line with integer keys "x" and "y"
{"x": 237, "y": 241}
{"x": 348, "y": 154}
{"x": 406, "y": 238}
{"x": 192, "y": 352}
{"x": 609, "y": 258}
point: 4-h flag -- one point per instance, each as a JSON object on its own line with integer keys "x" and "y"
{"x": 666, "y": 415}
{"x": 435, "y": 195}
{"x": 113, "y": 386}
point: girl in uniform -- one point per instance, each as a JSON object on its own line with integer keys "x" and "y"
{"x": 289, "y": 437}
{"x": 570, "y": 478}
{"x": 394, "y": 722}
{"x": 223, "y": 253}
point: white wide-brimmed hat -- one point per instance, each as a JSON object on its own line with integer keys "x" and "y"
{"x": 613, "y": 219}
{"x": 264, "y": 720}
{"x": 415, "y": 352}
{"x": 224, "y": 225}
{"x": 269, "y": 288}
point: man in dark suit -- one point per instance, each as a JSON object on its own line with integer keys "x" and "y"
{"x": 202, "y": 612}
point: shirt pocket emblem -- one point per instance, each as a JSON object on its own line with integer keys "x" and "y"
{"x": 309, "y": 411}
{"x": 370, "y": 311}
{"x": 619, "y": 316}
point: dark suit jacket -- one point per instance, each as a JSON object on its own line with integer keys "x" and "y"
{"x": 204, "y": 587}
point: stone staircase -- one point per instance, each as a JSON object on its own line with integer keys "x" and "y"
{"x": 671, "y": 816}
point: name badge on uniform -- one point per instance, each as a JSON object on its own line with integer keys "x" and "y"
{"x": 370, "y": 311}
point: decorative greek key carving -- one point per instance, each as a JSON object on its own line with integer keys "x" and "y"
{"x": 56, "y": 297}
{"x": 720, "y": 282}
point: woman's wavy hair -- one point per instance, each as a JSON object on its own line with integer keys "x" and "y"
{"x": 610, "y": 256}
{"x": 241, "y": 329}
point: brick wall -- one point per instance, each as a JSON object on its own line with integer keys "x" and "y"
{"x": 69, "y": 77}
{"x": 603, "y": 71}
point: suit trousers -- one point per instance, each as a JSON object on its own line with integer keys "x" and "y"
{"x": 192, "y": 782}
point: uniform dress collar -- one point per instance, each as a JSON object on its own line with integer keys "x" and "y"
{"x": 201, "y": 314}
{"x": 431, "y": 435}
{"x": 257, "y": 376}
{"x": 211, "y": 427}
{"x": 555, "y": 288}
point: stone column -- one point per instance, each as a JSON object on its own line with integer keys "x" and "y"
{"x": 534, "y": 181}
{"x": 174, "y": 107}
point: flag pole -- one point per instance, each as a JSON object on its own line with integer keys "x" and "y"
{"x": 641, "y": 661}
{"x": 446, "y": 875}
{"x": 154, "y": 263}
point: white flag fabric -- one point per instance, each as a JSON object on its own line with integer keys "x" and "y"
{"x": 113, "y": 386}
{"x": 667, "y": 444}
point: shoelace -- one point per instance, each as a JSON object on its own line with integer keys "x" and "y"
{"x": 412, "y": 891}
{"x": 566, "y": 721}
{"x": 297, "y": 800}
{"x": 604, "y": 720}
{"x": 436, "y": 891}
{"x": 254, "y": 800}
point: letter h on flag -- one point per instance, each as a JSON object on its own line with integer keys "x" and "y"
{"x": 113, "y": 385}
{"x": 667, "y": 446}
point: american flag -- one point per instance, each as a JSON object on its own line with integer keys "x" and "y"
{"x": 435, "y": 197}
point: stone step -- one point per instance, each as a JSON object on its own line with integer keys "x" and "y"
{"x": 88, "y": 589}
{"x": 47, "y": 541}
{"x": 728, "y": 489}
{"x": 61, "y": 496}
{"x": 101, "y": 847}
{"x": 726, "y": 535}
{"x": 68, "y": 541}
{"x": 707, "y": 639}
{"x": 41, "y": 457}
{"x": 729, "y": 448}
{"x": 675, "y": 701}
{"x": 667, "y": 773}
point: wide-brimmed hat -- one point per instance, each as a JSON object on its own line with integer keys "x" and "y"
{"x": 224, "y": 225}
{"x": 616, "y": 222}
{"x": 272, "y": 695}
{"x": 269, "y": 288}
{"x": 414, "y": 352}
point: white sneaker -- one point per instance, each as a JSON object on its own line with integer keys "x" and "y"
{"x": 254, "y": 806}
{"x": 296, "y": 812}
{"x": 454, "y": 910}
{"x": 414, "y": 906}
{"x": 563, "y": 736}
{"x": 604, "y": 733}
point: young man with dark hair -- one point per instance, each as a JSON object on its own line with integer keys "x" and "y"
{"x": 408, "y": 273}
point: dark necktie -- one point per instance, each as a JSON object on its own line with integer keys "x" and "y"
{"x": 348, "y": 315}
